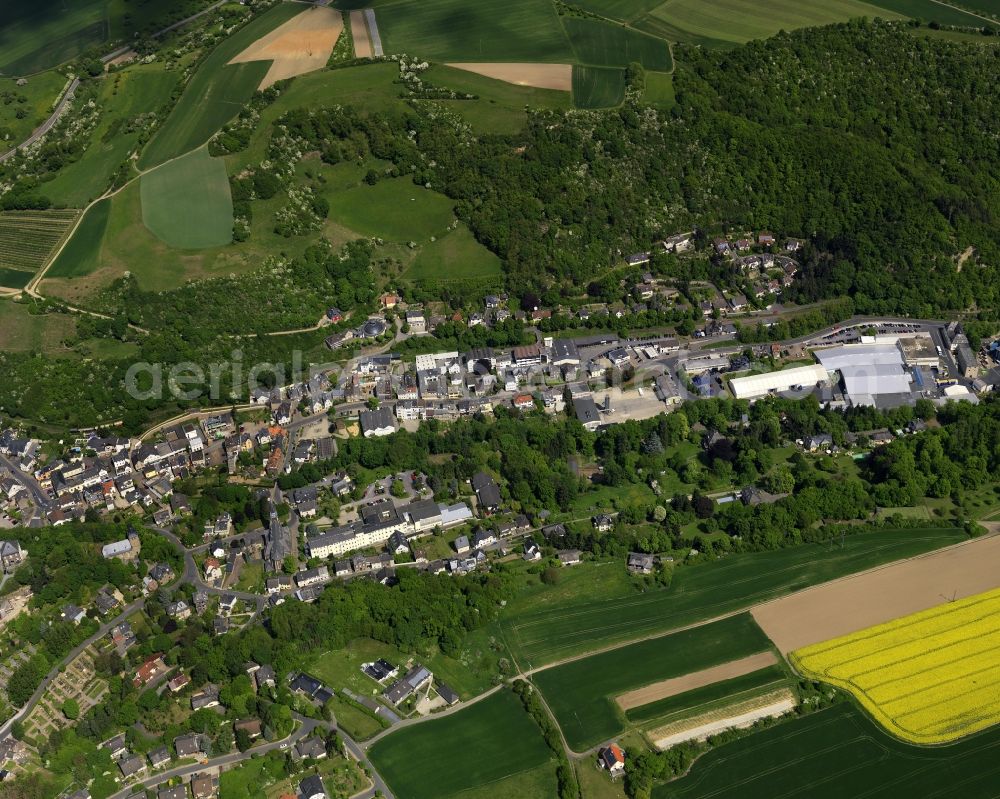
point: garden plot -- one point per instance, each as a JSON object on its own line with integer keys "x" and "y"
{"x": 77, "y": 682}
{"x": 300, "y": 45}
{"x": 540, "y": 76}
{"x": 928, "y": 678}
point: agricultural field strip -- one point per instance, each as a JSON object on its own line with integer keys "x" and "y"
{"x": 712, "y": 704}
{"x": 917, "y": 674}
{"x": 696, "y": 679}
{"x": 623, "y": 604}
{"x": 743, "y": 712}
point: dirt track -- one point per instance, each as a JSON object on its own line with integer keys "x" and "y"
{"x": 696, "y": 679}
{"x": 359, "y": 32}
{"x": 541, "y": 76}
{"x": 853, "y": 603}
{"x": 301, "y": 45}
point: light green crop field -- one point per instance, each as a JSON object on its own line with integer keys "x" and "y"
{"x": 593, "y": 613}
{"x": 836, "y": 753}
{"x": 186, "y": 203}
{"x": 722, "y": 22}
{"x": 456, "y": 256}
{"x": 395, "y": 209}
{"x": 82, "y": 253}
{"x": 34, "y": 101}
{"x": 581, "y": 694}
{"x": 701, "y": 700}
{"x": 125, "y": 95}
{"x": 605, "y": 44}
{"x": 598, "y": 87}
{"x": 472, "y": 749}
{"x": 457, "y": 30}
{"x": 217, "y": 91}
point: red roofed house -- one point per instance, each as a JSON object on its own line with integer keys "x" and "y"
{"x": 612, "y": 758}
{"x": 153, "y": 667}
{"x": 524, "y": 402}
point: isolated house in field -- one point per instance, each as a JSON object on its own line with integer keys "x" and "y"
{"x": 640, "y": 563}
{"x": 612, "y": 758}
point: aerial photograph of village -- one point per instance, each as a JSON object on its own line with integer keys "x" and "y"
{"x": 466, "y": 399}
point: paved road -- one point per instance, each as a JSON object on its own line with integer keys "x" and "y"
{"x": 40, "y": 690}
{"x": 39, "y": 494}
{"x": 46, "y": 126}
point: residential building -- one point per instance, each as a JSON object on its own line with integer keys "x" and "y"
{"x": 586, "y": 411}
{"x": 312, "y": 788}
{"x": 612, "y": 758}
{"x": 379, "y": 422}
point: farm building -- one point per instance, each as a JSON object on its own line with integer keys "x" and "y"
{"x": 755, "y": 386}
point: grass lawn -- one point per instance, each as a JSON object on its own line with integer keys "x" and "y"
{"x": 497, "y": 739}
{"x": 35, "y": 100}
{"x": 837, "y": 753}
{"x": 659, "y": 90}
{"x": 595, "y": 783}
{"x": 455, "y": 256}
{"x": 581, "y": 694}
{"x": 539, "y": 631}
{"x": 217, "y": 91}
{"x": 598, "y": 87}
{"x": 251, "y": 577}
{"x": 501, "y": 105}
{"x": 394, "y": 208}
{"x": 139, "y": 89}
{"x": 605, "y": 44}
{"x": 354, "y": 721}
{"x": 186, "y": 203}
{"x": 702, "y": 699}
{"x": 456, "y": 30}
{"x": 82, "y": 252}
{"x": 729, "y": 22}
{"x": 21, "y": 331}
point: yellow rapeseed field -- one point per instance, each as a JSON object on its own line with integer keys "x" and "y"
{"x": 928, "y": 678}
